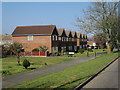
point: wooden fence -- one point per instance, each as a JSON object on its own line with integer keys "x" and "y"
{"x": 44, "y": 54}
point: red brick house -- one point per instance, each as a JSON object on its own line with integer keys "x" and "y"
{"x": 34, "y": 36}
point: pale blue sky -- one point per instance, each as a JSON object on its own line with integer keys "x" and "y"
{"x": 61, "y": 14}
{"x": 0, "y": 17}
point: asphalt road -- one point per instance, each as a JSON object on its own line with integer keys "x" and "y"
{"x": 24, "y": 76}
{"x": 106, "y": 79}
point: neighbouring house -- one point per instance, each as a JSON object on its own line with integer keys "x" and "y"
{"x": 78, "y": 41}
{"x": 91, "y": 43}
{"x": 6, "y": 39}
{"x": 83, "y": 41}
{"x": 74, "y": 40}
{"x": 60, "y": 40}
{"x": 70, "y": 44}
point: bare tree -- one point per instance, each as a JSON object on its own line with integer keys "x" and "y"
{"x": 101, "y": 17}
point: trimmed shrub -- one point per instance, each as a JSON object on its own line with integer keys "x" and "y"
{"x": 26, "y": 63}
{"x": 45, "y": 63}
{"x": 35, "y": 49}
{"x": 81, "y": 51}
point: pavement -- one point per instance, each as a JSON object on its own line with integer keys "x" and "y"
{"x": 28, "y": 75}
{"x": 106, "y": 79}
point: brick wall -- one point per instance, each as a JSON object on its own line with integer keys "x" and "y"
{"x": 35, "y": 43}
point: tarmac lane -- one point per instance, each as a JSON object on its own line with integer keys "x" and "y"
{"x": 107, "y": 78}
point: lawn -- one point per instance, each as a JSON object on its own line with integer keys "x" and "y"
{"x": 10, "y": 66}
{"x": 70, "y": 77}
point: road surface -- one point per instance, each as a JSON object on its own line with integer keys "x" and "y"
{"x": 106, "y": 79}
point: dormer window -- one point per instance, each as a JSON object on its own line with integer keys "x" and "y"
{"x": 30, "y": 38}
{"x": 54, "y": 37}
{"x": 63, "y": 38}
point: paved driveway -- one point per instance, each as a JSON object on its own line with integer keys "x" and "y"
{"x": 24, "y": 76}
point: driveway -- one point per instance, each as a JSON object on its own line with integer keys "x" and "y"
{"x": 24, "y": 76}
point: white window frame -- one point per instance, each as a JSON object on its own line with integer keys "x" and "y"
{"x": 54, "y": 37}
{"x": 30, "y": 38}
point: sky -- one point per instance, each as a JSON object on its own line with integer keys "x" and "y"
{"x": 61, "y": 14}
{"x": 0, "y": 17}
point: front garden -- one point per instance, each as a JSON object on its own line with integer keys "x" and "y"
{"x": 10, "y": 65}
{"x": 70, "y": 77}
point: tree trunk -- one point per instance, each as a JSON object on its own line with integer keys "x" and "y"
{"x": 109, "y": 48}
{"x": 18, "y": 59}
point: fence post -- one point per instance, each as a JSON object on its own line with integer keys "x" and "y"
{"x": 45, "y": 53}
{"x": 39, "y": 52}
{"x": 31, "y": 53}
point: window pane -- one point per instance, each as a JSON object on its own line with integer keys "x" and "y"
{"x": 30, "y": 38}
{"x": 53, "y": 38}
{"x": 56, "y": 37}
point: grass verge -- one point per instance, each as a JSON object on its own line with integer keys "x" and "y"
{"x": 10, "y": 66}
{"x": 70, "y": 77}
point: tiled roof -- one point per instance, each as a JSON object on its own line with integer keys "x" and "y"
{"x": 60, "y": 31}
{"x": 78, "y": 35}
{"x": 67, "y": 32}
{"x": 34, "y": 30}
{"x": 89, "y": 42}
{"x": 73, "y": 33}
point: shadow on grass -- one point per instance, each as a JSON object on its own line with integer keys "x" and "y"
{"x": 31, "y": 68}
{"x": 72, "y": 82}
